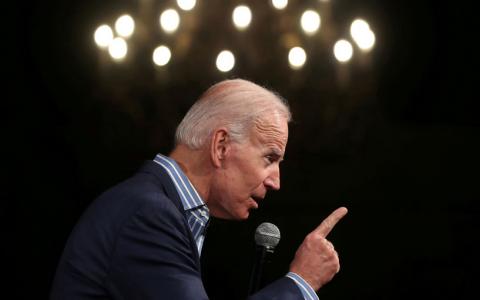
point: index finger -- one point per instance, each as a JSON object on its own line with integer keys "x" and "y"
{"x": 327, "y": 225}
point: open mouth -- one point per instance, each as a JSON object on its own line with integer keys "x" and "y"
{"x": 257, "y": 199}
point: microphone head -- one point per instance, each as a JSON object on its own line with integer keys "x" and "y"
{"x": 267, "y": 235}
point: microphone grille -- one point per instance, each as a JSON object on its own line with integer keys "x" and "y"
{"x": 267, "y": 235}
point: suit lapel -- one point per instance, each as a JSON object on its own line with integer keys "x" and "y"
{"x": 168, "y": 187}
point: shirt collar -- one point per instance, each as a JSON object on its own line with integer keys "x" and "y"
{"x": 188, "y": 194}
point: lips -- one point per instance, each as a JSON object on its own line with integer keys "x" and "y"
{"x": 256, "y": 200}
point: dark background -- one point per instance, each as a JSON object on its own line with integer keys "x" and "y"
{"x": 398, "y": 143}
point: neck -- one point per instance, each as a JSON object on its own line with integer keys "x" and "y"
{"x": 195, "y": 165}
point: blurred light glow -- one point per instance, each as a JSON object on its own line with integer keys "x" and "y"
{"x": 118, "y": 48}
{"x": 225, "y": 61}
{"x": 343, "y": 51}
{"x": 362, "y": 35}
{"x": 161, "y": 55}
{"x": 310, "y": 21}
{"x": 125, "y": 26}
{"x": 358, "y": 27}
{"x": 169, "y": 20}
{"x": 103, "y": 36}
{"x": 366, "y": 41}
{"x": 279, "y": 4}
{"x": 186, "y": 4}
{"x": 242, "y": 16}
{"x": 297, "y": 57}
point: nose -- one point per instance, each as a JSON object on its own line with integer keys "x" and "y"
{"x": 273, "y": 180}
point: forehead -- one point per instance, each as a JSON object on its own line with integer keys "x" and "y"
{"x": 271, "y": 130}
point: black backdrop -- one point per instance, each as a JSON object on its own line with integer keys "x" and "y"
{"x": 399, "y": 146}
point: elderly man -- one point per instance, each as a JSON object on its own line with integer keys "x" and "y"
{"x": 142, "y": 239}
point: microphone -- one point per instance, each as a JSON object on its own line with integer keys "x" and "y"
{"x": 267, "y": 237}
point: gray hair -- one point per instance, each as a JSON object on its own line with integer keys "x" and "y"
{"x": 235, "y": 104}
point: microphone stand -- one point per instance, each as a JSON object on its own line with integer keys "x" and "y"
{"x": 256, "y": 276}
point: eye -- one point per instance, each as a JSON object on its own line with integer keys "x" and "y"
{"x": 272, "y": 158}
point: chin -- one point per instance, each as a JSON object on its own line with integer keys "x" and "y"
{"x": 240, "y": 216}
{"x": 244, "y": 217}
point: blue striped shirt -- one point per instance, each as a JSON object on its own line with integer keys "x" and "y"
{"x": 307, "y": 291}
{"x": 196, "y": 210}
{"x": 198, "y": 214}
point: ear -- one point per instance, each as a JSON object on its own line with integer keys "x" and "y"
{"x": 219, "y": 146}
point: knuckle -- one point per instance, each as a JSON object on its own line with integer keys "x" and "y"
{"x": 314, "y": 238}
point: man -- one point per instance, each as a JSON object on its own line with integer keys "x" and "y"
{"x": 142, "y": 239}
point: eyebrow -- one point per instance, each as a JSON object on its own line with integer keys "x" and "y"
{"x": 276, "y": 152}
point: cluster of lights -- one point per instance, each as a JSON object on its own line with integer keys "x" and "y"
{"x": 169, "y": 21}
{"x": 117, "y": 46}
{"x": 361, "y": 34}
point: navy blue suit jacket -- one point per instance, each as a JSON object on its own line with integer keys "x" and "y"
{"x": 133, "y": 242}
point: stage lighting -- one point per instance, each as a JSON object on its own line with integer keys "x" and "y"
{"x": 169, "y": 20}
{"x": 124, "y": 26}
{"x": 161, "y": 55}
{"x": 310, "y": 21}
{"x": 343, "y": 51}
{"x": 242, "y": 16}
{"x": 297, "y": 57}
{"x": 103, "y": 36}
{"x": 225, "y": 61}
{"x": 118, "y": 48}
{"x": 279, "y": 4}
{"x": 186, "y": 4}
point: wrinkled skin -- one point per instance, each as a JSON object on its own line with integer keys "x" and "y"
{"x": 247, "y": 169}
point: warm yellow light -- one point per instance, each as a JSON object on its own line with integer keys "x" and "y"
{"x": 297, "y": 57}
{"x": 279, "y": 4}
{"x": 366, "y": 41}
{"x": 362, "y": 34}
{"x": 242, "y": 16}
{"x": 186, "y": 4}
{"x": 343, "y": 51}
{"x": 103, "y": 36}
{"x": 169, "y": 20}
{"x": 225, "y": 61}
{"x": 125, "y": 26}
{"x": 310, "y": 21}
{"x": 358, "y": 27}
{"x": 161, "y": 55}
{"x": 118, "y": 48}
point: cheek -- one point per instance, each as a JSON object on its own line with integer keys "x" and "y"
{"x": 243, "y": 176}
{"x": 252, "y": 179}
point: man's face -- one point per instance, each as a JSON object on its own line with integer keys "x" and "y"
{"x": 249, "y": 169}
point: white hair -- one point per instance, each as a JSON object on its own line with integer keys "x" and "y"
{"x": 235, "y": 104}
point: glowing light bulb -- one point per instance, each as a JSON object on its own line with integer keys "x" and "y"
{"x": 118, "y": 48}
{"x": 297, "y": 57}
{"x": 343, "y": 51}
{"x": 170, "y": 20}
{"x": 125, "y": 26}
{"x": 279, "y": 4}
{"x": 103, "y": 36}
{"x": 161, "y": 55}
{"x": 225, "y": 61}
{"x": 242, "y": 16}
{"x": 186, "y": 4}
{"x": 310, "y": 21}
